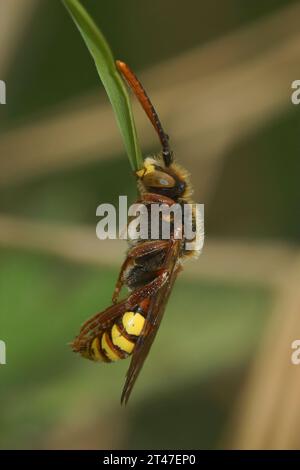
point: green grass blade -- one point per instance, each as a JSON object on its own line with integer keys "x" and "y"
{"x": 110, "y": 77}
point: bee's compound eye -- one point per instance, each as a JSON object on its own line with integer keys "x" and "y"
{"x": 181, "y": 187}
{"x": 159, "y": 179}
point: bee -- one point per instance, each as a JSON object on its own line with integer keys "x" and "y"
{"x": 128, "y": 327}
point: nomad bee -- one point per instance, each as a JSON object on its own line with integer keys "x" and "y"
{"x": 129, "y": 326}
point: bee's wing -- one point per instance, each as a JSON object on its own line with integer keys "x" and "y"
{"x": 153, "y": 320}
{"x": 104, "y": 320}
{"x": 98, "y": 323}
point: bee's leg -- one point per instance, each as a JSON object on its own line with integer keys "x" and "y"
{"x": 149, "y": 198}
{"x": 121, "y": 279}
{"x": 146, "y": 248}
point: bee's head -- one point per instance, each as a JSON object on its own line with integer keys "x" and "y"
{"x": 158, "y": 178}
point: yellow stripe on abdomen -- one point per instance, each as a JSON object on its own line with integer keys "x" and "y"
{"x": 120, "y": 341}
{"x": 95, "y": 350}
{"x": 133, "y": 323}
{"x": 111, "y": 354}
{"x": 115, "y": 344}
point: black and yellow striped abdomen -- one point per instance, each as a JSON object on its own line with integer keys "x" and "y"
{"x": 118, "y": 342}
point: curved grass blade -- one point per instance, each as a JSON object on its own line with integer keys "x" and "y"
{"x": 110, "y": 77}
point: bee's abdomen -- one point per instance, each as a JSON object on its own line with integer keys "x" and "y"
{"x": 119, "y": 341}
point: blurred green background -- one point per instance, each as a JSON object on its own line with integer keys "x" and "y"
{"x": 186, "y": 395}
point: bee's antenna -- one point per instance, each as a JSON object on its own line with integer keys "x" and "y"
{"x": 148, "y": 107}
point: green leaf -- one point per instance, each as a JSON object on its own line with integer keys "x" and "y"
{"x": 110, "y": 77}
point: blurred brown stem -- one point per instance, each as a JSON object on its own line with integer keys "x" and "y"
{"x": 224, "y": 261}
{"x": 268, "y": 414}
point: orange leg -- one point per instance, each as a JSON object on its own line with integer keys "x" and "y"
{"x": 146, "y": 248}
